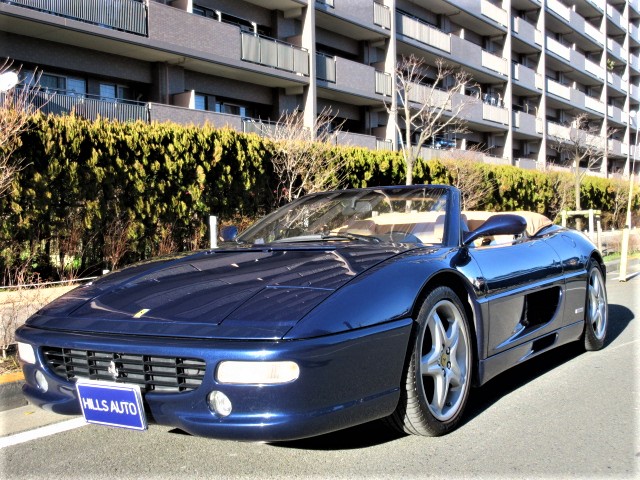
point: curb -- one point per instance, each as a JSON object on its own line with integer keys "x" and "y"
{"x": 11, "y": 392}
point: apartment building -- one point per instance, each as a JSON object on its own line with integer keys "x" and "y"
{"x": 536, "y": 65}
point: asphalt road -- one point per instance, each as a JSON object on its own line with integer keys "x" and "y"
{"x": 566, "y": 414}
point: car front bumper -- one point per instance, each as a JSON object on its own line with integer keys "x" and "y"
{"x": 344, "y": 380}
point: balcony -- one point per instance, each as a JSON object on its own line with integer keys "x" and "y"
{"x": 274, "y": 53}
{"x": 89, "y": 106}
{"x": 382, "y": 15}
{"x": 364, "y": 19}
{"x": 594, "y": 69}
{"x": 495, "y": 114}
{"x": 325, "y": 67}
{"x": 527, "y": 123}
{"x": 558, "y": 49}
{"x": 616, "y": 17}
{"x": 384, "y": 83}
{"x": 473, "y": 56}
{"x": 527, "y": 32}
{"x": 594, "y": 33}
{"x": 428, "y": 95}
{"x": 494, "y": 12}
{"x": 616, "y": 49}
{"x": 559, "y": 90}
{"x": 423, "y": 32}
{"x": 495, "y": 63}
{"x": 558, "y": 131}
{"x": 616, "y": 82}
{"x": 560, "y": 9}
{"x": 526, "y": 77}
{"x": 128, "y": 16}
{"x": 615, "y": 147}
{"x": 594, "y": 104}
{"x": 352, "y": 78}
{"x": 634, "y": 32}
{"x": 614, "y": 113}
{"x": 635, "y": 92}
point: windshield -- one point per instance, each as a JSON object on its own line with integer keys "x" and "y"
{"x": 399, "y": 215}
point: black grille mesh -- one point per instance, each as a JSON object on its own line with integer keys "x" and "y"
{"x": 152, "y": 373}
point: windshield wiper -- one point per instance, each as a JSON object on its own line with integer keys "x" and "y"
{"x": 351, "y": 236}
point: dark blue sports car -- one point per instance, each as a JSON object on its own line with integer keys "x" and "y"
{"x": 337, "y": 309}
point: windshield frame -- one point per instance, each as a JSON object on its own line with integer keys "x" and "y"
{"x": 448, "y": 206}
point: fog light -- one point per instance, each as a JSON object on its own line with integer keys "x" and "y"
{"x": 219, "y": 403}
{"x": 41, "y": 381}
{"x": 26, "y": 352}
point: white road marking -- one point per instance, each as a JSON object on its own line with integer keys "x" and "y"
{"x": 41, "y": 432}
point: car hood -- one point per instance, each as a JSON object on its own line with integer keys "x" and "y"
{"x": 245, "y": 293}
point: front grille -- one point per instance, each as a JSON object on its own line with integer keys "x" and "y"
{"x": 152, "y": 373}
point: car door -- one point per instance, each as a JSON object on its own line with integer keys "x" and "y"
{"x": 524, "y": 286}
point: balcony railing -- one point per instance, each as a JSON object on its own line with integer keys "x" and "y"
{"x": 494, "y": 62}
{"x": 381, "y": 15}
{"x": 594, "y": 33}
{"x": 594, "y": 104}
{"x": 495, "y": 114}
{"x": 560, "y": 9}
{"x": 594, "y": 68}
{"x": 325, "y": 67}
{"x": 494, "y": 12}
{"x": 125, "y": 15}
{"x": 558, "y": 89}
{"x": 89, "y": 106}
{"x": 383, "y": 83}
{"x": 274, "y": 53}
{"x": 559, "y": 49}
{"x": 427, "y": 95}
{"x": 615, "y": 48}
{"x": 423, "y": 32}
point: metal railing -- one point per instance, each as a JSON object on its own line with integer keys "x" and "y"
{"x": 423, "y": 32}
{"x": 274, "y": 53}
{"x": 325, "y": 67}
{"x": 383, "y": 83}
{"x": 89, "y": 106}
{"x": 126, "y": 15}
{"x": 381, "y": 15}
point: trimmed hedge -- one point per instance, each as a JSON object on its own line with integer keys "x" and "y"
{"x": 81, "y": 179}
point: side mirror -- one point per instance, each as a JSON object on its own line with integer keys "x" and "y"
{"x": 499, "y": 224}
{"x": 229, "y": 233}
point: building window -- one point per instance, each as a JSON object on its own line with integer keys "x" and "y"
{"x": 112, "y": 92}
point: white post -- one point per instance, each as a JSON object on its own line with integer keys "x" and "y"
{"x": 213, "y": 231}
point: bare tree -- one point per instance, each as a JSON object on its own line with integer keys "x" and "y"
{"x": 583, "y": 147}
{"x": 117, "y": 240}
{"x": 562, "y": 187}
{"x": 305, "y": 160}
{"x": 427, "y": 104}
{"x": 15, "y": 108}
{"x": 468, "y": 175}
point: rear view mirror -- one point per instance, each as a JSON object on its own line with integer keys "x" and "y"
{"x": 229, "y": 233}
{"x": 499, "y": 224}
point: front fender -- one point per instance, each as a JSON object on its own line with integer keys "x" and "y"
{"x": 385, "y": 293}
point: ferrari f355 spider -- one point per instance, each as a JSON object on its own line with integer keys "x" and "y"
{"x": 337, "y": 309}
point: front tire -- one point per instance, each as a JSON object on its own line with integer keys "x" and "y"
{"x": 596, "y": 309}
{"x": 438, "y": 375}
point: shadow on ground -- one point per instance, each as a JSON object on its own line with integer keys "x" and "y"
{"x": 377, "y": 433}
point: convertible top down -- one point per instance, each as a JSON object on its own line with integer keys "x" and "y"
{"x": 337, "y": 309}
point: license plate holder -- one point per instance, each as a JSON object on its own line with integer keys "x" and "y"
{"x": 113, "y": 404}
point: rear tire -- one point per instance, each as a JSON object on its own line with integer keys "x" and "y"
{"x": 437, "y": 377}
{"x": 596, "y": 309}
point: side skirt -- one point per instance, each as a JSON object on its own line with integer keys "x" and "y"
{"x": 496, "y": 364}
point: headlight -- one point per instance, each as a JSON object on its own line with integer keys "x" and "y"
{"x": 257, "y": 373}
{"x": 26, "y": 352}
